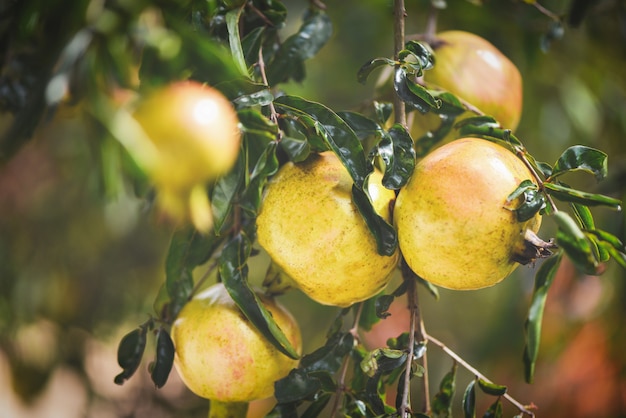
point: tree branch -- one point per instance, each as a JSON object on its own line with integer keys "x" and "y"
{"x": 399, "y": 14}
{"x": 522, "y": 408}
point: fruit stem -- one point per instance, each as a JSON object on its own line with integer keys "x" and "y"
{"x": 219, "y": 409}
{"x": 521, "y": 153}
{"x": 261, "y": 65}
{"x": 524, "y": 409}
{"x": 399, "y": 13}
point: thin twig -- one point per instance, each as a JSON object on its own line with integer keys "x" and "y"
{"x": 405, "y": 405}
{"x": 344, "y": 367}
{"x": 522, "y": 155}
{"x": 399, "y": 13}
{"x": 522, "y": 408}
{"x": 421, "y": 336}
{"x": 261, "y": 64}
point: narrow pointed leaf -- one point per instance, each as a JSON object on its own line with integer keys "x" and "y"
{"x": 442, "y": 401}
{"x": 580, "y": 157}
{"x": 335, "y": 131}
{"x": 397, "y": 152}
{"x": 385, "y": 234}
{"x": 362, "y": 126}
{"x": 491, "y": 388}
{"x": 367, "y": 68}
{"x": 232, "y": 23}
{"x": 469, "y": 400}
{"x": 164, "y": 359}
{"x": 543, "y": 281}
{"x": 129, "y": 353}
{"x": 571, "y": 238}
{"x": 567, "y": 194}
{"x": 233, "y": 270}
{"x": 495, "y": 410}
{"x": 402, "y": 89}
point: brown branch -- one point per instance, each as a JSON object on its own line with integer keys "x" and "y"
{"x": 344, "y": 367}
{"x": 522, "y": 408}
{"x": 399, "y": 14}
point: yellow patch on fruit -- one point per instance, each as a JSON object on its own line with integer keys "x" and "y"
{"x": 313, "y": 231}
{"x": 221, "y": 356}
{"x": 455, "y": 226}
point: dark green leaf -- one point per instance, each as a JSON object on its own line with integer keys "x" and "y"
{"x": 330, "y": 356}
{"x": 442, "y": 401}
{"x": 251, "y": 45}
{"x": 385, "y": 234}
{"x": 567, "y": 194}
{"x": 225, "y": 190}
{"x": 164, "y": 359}
{"x": 383, "y": 302}
{"x": 233, "y": 270}
{"x": 297, "y": 385}
{"x": 129, "y": 353}
{"x": 608, "y": 245}
{"x": 367, "y": 68}
{"x": 383, "y": 111}
{"x": 294, "y": 141}
{"x": 382, "y": 360}
{"x": 495, "y": 410}
{"x": 571, "y": 238}
{"x": 543, "y": 281}
{"x": 425, "y": 143}
{"x": 316, "y": 407}
{"x": 469, "y": 400}
{"x": 259, "y": 98}
{"x": 337, "y": 134}
{"x": 304, "y": 44}
{"x": 266, "y": 166}
{"x": 491, "y": 388}
{"x": 188, "y": 249}
{"x": 362, "y": 126}
{"x": 411, "y": 93}
{"x": 422, "y": 53}
{"x": 488, "y": 128}
{"x": 534, "y": 201}
{"x": 580, "y": 157}
{"x": 397, "y": 152}
{"x": 232, "y": 23}
{"x": 583, "y": 216}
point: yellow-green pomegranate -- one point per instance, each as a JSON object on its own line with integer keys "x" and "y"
{"x": 313, "y": 231}
{"x": 455, "y": 226}
{"x": 221, "y": 356}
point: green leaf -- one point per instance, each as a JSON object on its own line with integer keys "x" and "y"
{"x": 491, "y": 388}
{"x": 266, "y": 166}
{"x": 294, "y": 140}
{"x": 487, "y": 127}
{"x": 567, "y": 194}
{"x": 383, "y": 111}
{"x": 420, "y": 52}
{"x": 251, "y": 45}
{"x": 188, "y": 249}
{"x": 225, "y": 191}
{"x": 543, "y": 280}
{"x": 367, "y": 68}
{"x": 609, "y": 245}
{"x": 469, "y": 400}
{"x": 316, "y": 407}
{"x": 583, "y": 216}
{"x": 580, "y": 157}
{"x": 534, "y": 201}
{"x": 495, "y": 410}
{"x": 297, "y": 385}
{"x": 232, "y": 23}
{"x": 571, "y": 238}
{"x": 382, "y": 304}
{"x": 442, "y": 401}
{"x": 304, "y": 44}
{"x": 335, "y": 131}
{"x": 160, "y": 369}
{"x": 362, "y": 126}
{"x": 233, "y": 270}
{"x": 397, "y": 152}
{"x": 381, "y": 360}
{"x": 412, "y": 94}
{"x": 384, "y": 233}
{"x": 129, "y": 353}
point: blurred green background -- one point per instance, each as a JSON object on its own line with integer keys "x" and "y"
{"x": 81, "y": 265}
